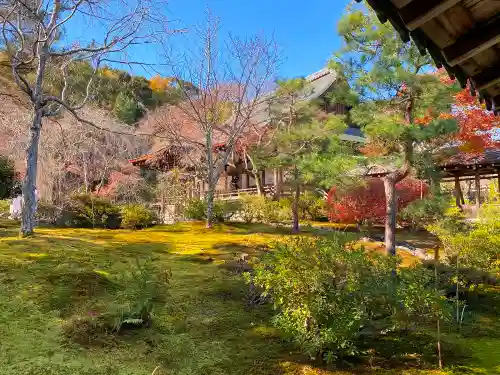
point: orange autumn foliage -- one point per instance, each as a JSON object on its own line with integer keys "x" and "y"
{"x": 476, "y": 124}
{"x": 160, "y": 84}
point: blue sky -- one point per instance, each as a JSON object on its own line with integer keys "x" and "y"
{"x": 305, "y": 30}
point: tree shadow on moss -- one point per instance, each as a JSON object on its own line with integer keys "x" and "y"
{"x": 405, "y": 349}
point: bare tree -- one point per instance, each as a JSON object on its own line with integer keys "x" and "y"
{"x": 31, "y": 36}
{"x": 223, "y": 82}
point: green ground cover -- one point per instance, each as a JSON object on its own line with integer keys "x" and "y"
{"x": 203, "y": 324}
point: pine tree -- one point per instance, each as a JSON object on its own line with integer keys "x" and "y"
{"x": 126, "y": 108}
{"x": 7, "y": 177}
{"x": 391, "y": 87}
{"x": 304, "y": 142}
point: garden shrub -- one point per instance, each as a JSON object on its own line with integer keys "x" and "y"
{"x": 256, "y": 208}
{"x": 92, "y": 211}
{"x": 62, "y": 215}
{"x": 423, "y": 212}
{"x": 4, "y": 207}
{"x": 8, "y": 177}
{"x": 196, "y": 209}
{"x": 312, "y": 207}
{"x": 136, "y": 216}
{"x": 329, "y": 294}
{"x": 251, "y": 207}
{"x": 129, "y": 304}
{"x": 367, "y": 202}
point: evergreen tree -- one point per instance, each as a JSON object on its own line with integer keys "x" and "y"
{"x": 126, "y": 108}
{"x": 305, "y": 142}
{"x": 397, "y": 98}
{"x": 7, "y": 177}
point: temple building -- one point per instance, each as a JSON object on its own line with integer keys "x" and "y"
{"x": 236, "y": 178}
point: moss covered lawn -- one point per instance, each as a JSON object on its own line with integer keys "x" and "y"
{"x": 205, "y": 325}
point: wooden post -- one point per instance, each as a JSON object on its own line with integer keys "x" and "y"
{"x": 162, "y": 207}
{"x": 458, "y": 192}
{"x": 244, "y": 181}
{"x": 498, "y": 180}
{"x": 278, "y": 179}
{"x": 478, "y": 189}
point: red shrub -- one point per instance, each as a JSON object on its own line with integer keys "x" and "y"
{"x": 368, "y": 202}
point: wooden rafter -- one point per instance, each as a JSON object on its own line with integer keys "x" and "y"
{"x": 476, "y": 40}
{"x": 487, "y": 78}
{"x": 418, "y": 12}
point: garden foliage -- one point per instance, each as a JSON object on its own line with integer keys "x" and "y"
{"x": 422, "y": 212}
{"x": 196, "y": 209}
{"x": 130, "y": 300}
{"x": 329, "y": 294}
{"x": 8, "y": 177}
{"x": 135, "y": 216}
{"x": 367, "y": 202}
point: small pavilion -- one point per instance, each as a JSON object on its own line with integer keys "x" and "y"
{"x": 471, "y": 167}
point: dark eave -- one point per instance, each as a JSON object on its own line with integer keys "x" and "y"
{"x": 462, "y": 37}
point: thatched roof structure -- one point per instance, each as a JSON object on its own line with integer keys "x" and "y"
{"x": 461, "y": 36}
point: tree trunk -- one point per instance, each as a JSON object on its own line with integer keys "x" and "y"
{"x": 390, "y": 219}
{"x": 258, "y": 183}
{"x": 277, "y": 183}
{"x": 295, "y": 206}
{"x": 29, "y": 183}
{"x": 210, "y": 206}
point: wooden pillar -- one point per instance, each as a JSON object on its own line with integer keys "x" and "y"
{"x": 263, "y": 177}
{"x": 244, "y": 181}
{"x": 162, "y": 207}
{"x": 278, "y": 182}
{"x": 498, "y": 180}
{"x": 478, "y": 189}
{"x": 458, "y": 192}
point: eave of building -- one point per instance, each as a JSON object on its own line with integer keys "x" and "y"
{"x": 462, "y": 37}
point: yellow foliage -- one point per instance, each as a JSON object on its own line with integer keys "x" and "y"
{"x": 160, "y": 84}
{"x": 109, "y": 73}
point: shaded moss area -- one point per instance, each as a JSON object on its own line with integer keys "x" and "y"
{"x": 60, "y": 289}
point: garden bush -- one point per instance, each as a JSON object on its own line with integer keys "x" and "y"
{"x": 196, "y": 209}
{"x": 136, "y": 216}
{"x": 265, "y": 210}
{"x": 128, "y": 304}
{"x": 312, "y": 207}
{"x": 421, "y": 213}
{"x": 8, "y": 177}
{"x": 328, "y": 294}
{"x": 367, "y": 202}
{"x": 94, "y": 212}
{"x": 4, "y": 207}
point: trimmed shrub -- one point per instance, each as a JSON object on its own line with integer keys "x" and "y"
{"x": 4, "y": 207}
{"x": 329, "y": 295}
{"x": 196, "y": 209}
{"x": 136, "y": 216}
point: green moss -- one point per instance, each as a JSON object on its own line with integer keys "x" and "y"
{"x": 203, "y": 325}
